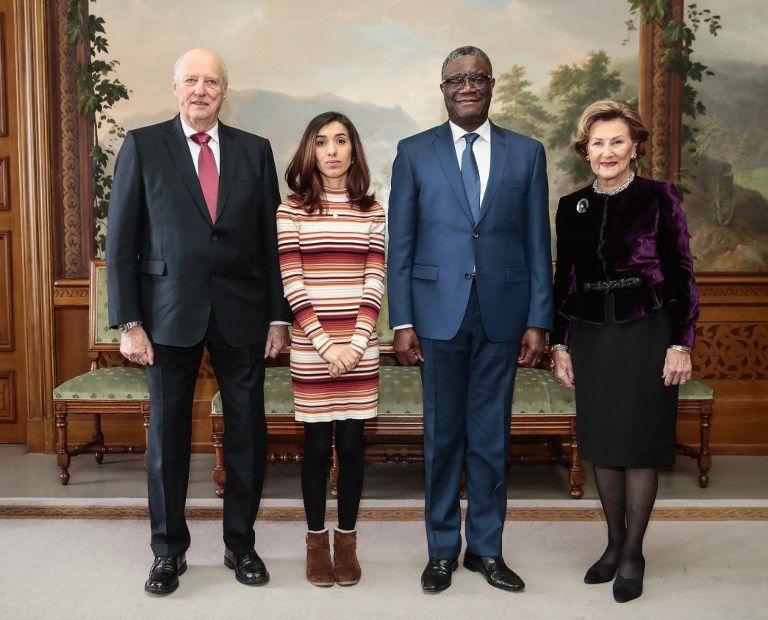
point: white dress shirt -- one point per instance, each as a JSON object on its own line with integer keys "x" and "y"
{"x": 194, "y": 147}
{"x": 482, "y": 151}
{"x": 481, "y": 148}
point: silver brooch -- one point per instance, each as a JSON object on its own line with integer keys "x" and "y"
{"x": 582, "y": 205}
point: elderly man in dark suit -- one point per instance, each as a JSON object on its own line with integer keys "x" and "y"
{"x": 470, "y": 295}
{"x": 192, "y": 262}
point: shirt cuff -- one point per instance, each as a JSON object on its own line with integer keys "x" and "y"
{"x": 403, "y": 326}
{"x": 279, "y": 323}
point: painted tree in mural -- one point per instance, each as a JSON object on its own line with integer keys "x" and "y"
{"x": 721, "y": 154}
{"x": 574, "y": 87}
{"x": 521, "y": 109}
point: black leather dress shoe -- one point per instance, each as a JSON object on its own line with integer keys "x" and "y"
{"x": 437, "y": 575}
{"x": 248, "y": 567}
{"x": 164, "y": 574}
{"x": 498, "y": 574}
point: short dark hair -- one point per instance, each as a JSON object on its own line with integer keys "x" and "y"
{"x": 466, "y": 50}
{"x": 304, "y": 178}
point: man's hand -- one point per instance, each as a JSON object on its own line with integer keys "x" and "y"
{"x": 563, "y": 368}
{"x": 277, "y": 338}
{"x": 531, "y": 347}
{"x": 407, "y": 347}
{"x": 136, "y": 347}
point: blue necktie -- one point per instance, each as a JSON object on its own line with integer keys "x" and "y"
{"x": 470, "y": 174}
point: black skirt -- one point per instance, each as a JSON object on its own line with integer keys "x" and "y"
{"x": 626, "y": 416}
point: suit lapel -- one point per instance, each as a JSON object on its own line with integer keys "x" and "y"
{"x": 176, "y": 142}
{"x": 499, "y": 154}
{"x": 446, "y": 153}
{"x": 228, "y": 149}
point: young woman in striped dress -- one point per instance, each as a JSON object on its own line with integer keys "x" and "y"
{"x": 331, "y": 246}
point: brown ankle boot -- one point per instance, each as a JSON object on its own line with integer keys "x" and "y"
{"x": 345, "y": 564}
{"x": 319, "y": 566}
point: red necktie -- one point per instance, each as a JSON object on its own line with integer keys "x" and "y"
{"x": 207, "y": 173}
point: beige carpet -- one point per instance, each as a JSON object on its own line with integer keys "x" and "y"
{"x": 69, "y": 568}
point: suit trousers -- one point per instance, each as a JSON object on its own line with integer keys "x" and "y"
{"x": 240, "y": 375}
{"x": 468, "y": 383}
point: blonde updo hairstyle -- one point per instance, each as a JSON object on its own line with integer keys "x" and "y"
{"x": 608, "y": 110}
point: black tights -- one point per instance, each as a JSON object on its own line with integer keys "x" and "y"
{"x": 627, "y": 495}
{"x": 318, "y": 437}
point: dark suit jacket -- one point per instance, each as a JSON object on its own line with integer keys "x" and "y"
{"x": 168, "y": 265}
{"x": 435, "y": 244}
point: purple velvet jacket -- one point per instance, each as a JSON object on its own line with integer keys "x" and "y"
{"x": 639, "y": 232}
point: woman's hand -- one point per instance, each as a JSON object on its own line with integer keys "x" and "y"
{"x": 677, "y": 367}
{"x": 563, "y": 368}
{"x": 341, "y": 359}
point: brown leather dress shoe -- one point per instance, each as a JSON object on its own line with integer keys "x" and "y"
{"x": 248, "y": 567}
{"x": 164, "y": 574}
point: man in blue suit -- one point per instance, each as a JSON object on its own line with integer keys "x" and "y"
{"x": 470, "y": 296}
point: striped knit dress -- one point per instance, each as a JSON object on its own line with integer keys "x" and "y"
{"x": 332, "y": 266}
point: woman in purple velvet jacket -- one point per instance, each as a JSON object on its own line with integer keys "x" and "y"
{"x": 626, "y": 303}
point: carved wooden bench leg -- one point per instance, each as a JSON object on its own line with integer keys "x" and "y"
{"x": 576, "y": 476}
{"x": 62, "y": 453}
{"x": 334, "y": 472}
{"x": 97, "y": 439}
{"x": 219, "y": 472}
{"x": 705, "y": 458}
{"x": 146, "y": 436}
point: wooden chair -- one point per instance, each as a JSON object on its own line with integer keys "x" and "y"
{"x": 103, "y": 390}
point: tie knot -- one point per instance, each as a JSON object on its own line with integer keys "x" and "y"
{"x": 201, "y": 138}
{"x": 471, "y": 137}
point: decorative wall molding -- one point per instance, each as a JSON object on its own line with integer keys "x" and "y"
{"x": 7, "y": 396}
{"x": 731, "y": 351}
{"x": 660, "y": 98}
{"x": 6, "y": 292}
{"x": 73, "y": 232}
{"x": 3, "y": 89}
{"x": 71, "y": 293}
{"x": 5, "y": 183}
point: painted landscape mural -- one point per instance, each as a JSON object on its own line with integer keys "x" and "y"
{"x": 380, "y": 64}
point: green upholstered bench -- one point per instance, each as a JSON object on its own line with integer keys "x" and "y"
{"x": 540, "y": 407}
{"x": 100, "y": 391}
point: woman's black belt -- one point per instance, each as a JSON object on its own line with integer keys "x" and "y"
{"x": 609, "y": 285}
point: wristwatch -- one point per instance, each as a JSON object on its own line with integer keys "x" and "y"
{"x": 126, "y": 327}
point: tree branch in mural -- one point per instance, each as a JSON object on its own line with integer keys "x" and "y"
{"x": 574, "y": 87}
{"x": 521, "y": 110}
{"x": 680, "y": 36}
{"x": 98, "y": 91}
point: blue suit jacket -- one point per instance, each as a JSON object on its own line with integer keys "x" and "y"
{"x": 435, "y": 244}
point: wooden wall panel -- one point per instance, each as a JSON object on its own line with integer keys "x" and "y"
{"x": 6, "y": 297}
{"x": 3, "y": 87}
{"x": 5, "y": 184}
{"x": 7, "y": 397}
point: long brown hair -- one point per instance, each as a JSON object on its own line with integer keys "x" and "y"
{"x": 304, "y": 178}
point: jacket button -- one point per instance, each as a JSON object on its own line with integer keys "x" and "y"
{"x": 214, "y": 238}
{"x": 475, "y": 234}
{"x": 467, "y": 275}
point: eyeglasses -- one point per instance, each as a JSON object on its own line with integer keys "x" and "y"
{"x": 475, "y": 81}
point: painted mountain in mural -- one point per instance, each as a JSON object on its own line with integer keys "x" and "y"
{"x": 282, "y": 119}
